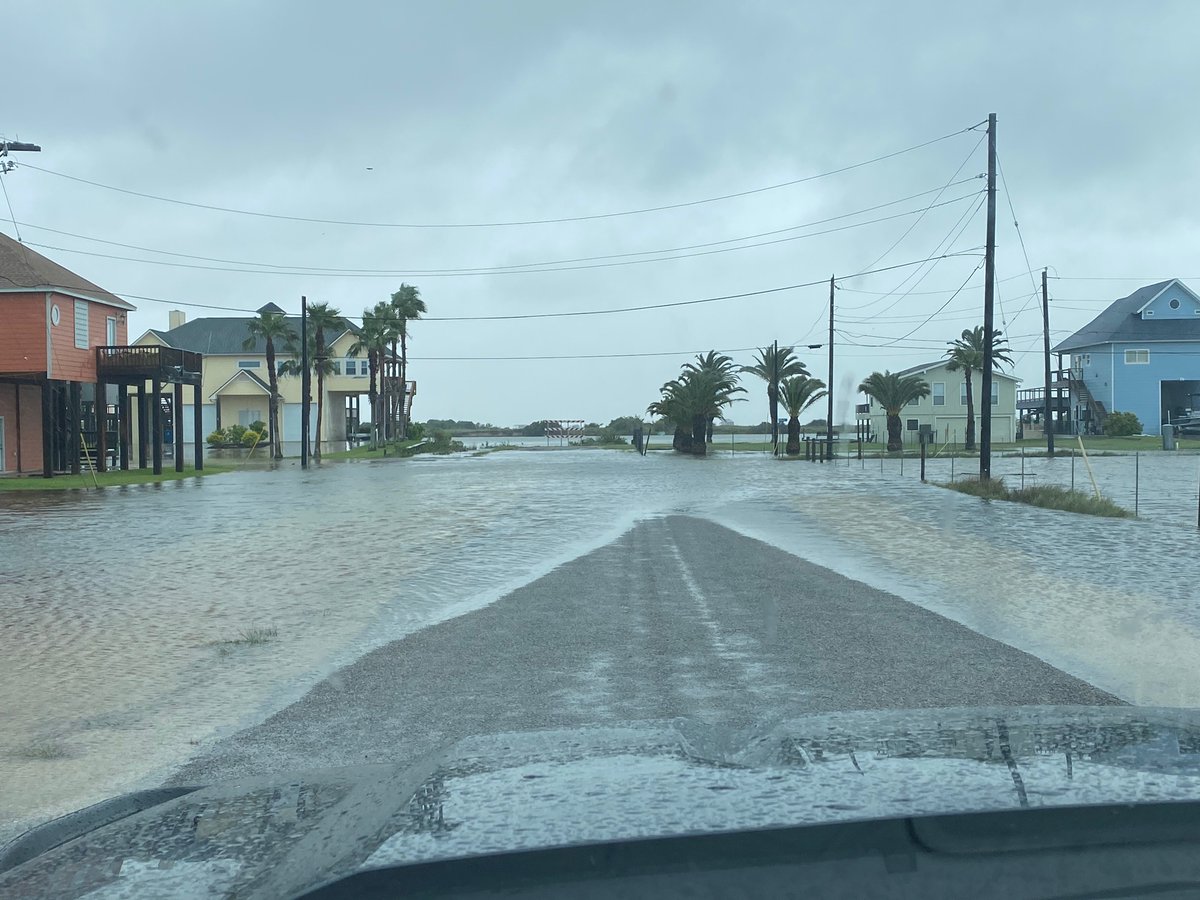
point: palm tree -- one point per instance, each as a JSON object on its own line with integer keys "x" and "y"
{"x": 695, "y": 398}
{"x": 409, "y": 307}
{"x": 320, "y": 366}
{"x": 271, "y": 327}
{"x": 798, "y": 393}
{"x": 389, "y": 320}
{"x": 322, "y": 316}
{"x": 893, "y": 391}
{"x": 966, "y": 354}
{"x": 721, "y": 367}
{"x": 373, "y": 339}
{"x": 772, "y": 365}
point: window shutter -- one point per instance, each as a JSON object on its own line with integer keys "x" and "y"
{"x": 81, "y": 324}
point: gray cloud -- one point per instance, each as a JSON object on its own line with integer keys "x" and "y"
{"x": 482, "y": 111}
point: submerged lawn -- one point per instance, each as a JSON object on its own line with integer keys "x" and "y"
{"x": 1045, "y": 496}
{"x": 86, "y": 481}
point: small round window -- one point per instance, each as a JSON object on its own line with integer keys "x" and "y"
{"x": 1174, "y": 303}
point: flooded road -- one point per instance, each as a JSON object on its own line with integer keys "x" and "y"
{"x": 138, "y": 624}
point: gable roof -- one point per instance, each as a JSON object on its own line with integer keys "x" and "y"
{"x": 243, "y": 374}
{"x": 22, "y": 269}
{"x": 1121, "y": 322}
{"x": 922, "y": 368}
{"x": 219, "y": 335}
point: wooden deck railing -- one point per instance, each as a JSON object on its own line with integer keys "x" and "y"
{"x": 147, "y": 361}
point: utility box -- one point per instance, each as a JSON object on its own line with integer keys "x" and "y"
{"x": 1168, "y": 432}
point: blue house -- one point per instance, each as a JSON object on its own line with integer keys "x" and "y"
{"x": 1141, "y": 355}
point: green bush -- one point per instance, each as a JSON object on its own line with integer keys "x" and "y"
{"x": 416, "y": 431}
{"x": 260, "y": 426}
{"x": 250, "y": 438}
{"x": 1122, "y": 424}
{"x": 217, "y": 438}
{"x": 234, "y": 433}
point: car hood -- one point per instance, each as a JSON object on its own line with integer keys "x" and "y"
{"x": 279, "y": 836}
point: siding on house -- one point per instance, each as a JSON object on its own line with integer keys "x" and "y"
{"x": 71, "y": 363}
{"x": 1163, "y": 322}
{"x": 23, "y": 348}
{"x": 31, "y": 426}
{"x": 949, "y": 419}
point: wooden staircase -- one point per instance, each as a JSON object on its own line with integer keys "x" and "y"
{"x": 1080, "y": 391}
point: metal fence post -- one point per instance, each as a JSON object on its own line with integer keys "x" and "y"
{"x": 1136, "y": 477}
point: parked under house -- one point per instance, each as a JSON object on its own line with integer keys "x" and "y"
{"x": 945, "y": 409}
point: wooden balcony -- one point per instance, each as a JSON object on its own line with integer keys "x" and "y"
{"x": 137, "y": 364}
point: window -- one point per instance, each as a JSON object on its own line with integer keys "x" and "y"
{"x": 337, "y": 366}
{"x": 249, "y": 364}
{"x": 939, "y": 393}
{"x": 915, "y": 401}
{"x": 912, "y": 425}
{"x": 351, "y": 367}
{"x": 81, "y": 324}
{"x": 1137, "y": 357}
{"x": 962, "y": 393}
{"x": 247, "y": 417}
{"x": 995, "y": 392}
{"x": 1079, "y": 360}
{"x": 111, "y": 331}
{"x": 1174, "y": 303}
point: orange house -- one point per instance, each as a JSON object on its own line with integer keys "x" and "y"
{"x": 51, "y": 322}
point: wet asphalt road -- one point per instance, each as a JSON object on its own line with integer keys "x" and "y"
{"x": 678, "y": 617}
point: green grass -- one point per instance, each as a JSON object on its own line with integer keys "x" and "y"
{"x": 249, "y": 637}
{"x": 117, "y": 478}
{"x": 365, "y": 452}
{"x": 1044, "y": 496}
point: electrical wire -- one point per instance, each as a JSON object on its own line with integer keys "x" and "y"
{"x": 500, "y": 224}
{"x": 499, "y": 271}
{"x": 11, "y": 214}
{"x": 557, "y": 315}
{"x": 489, "y": 269}
{"x": 1020, "y": 237}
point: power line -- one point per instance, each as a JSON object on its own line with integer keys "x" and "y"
{"x": 1020, "y": 238}
{"x": 484, "y": 270}
{"x": 938, "y": 310}
{"x": 11, "y": 214}
{"x": 501, "y": 224}
{"x": 500, "y": 271}
{"x": 557, "y": 315}
{"x": 917, "y": 221}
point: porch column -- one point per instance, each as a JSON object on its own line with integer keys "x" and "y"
{"x": 47, "y": 430}
{"x": 156, "y": 424}
{"x": 75, "y": 411}
{"x": 123, "y": 425}
{"x": 101, "y": 426}
{"x": 143, "y": 424}
{"x": 178, "y": 428}
{"x": 198, "y": 426}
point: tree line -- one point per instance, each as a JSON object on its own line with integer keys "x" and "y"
{"x": 705, "y": 388}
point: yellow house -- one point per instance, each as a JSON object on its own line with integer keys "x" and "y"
{"x": 945, "y": 409}
{"x": 235, "y": 384}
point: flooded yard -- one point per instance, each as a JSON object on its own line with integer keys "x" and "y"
{"x": 138, "y": 624}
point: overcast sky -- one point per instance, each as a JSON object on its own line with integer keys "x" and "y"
{"x": 483, "y": 112}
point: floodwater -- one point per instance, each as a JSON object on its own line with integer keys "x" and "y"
{"x": 127, "y": 615}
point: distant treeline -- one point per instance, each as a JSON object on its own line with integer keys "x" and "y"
{"x": 622, "y": 426}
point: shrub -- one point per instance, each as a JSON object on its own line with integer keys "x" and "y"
{"x": 217, "y": 438}
{"x": 234, "y": 433}
{"x": 250, "y": 438}
{"x": 260, "y": 426}
{"x": 416, "y": 431}
{"x": 1122, "y": 424}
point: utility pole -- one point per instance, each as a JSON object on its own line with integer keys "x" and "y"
{"x": 1047, "y": 415}
{"x": 775, "y": 405}
{"x": 304, "y": 383}
{"x": 989, "y": 294}
{"x": 829, "y": 387}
